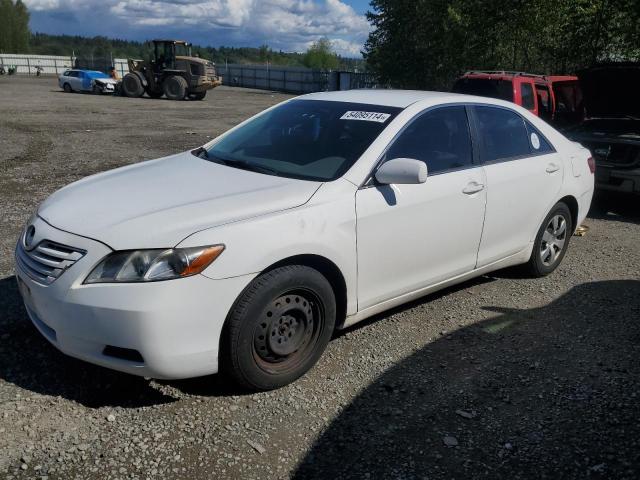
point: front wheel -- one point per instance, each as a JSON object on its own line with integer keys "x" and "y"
{"x": 278, "y": 328}
{"x": 132, "y": 85}
{"x": 551, "y": 241}
{"x": 67, "y": 88}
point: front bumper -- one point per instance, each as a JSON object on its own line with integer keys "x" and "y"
{"x": 106, "y": 87}
{"x": 173, "y": 326}
{"x": 618, "y": 180}
{"x": 206, "y": 83}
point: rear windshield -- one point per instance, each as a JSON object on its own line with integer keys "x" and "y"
{"x": 305, "y": 139}
{"x": 485, "y": 87}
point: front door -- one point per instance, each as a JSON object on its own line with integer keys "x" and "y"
{"x": 413, "y": 236}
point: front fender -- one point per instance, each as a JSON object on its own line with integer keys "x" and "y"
{"x": 325, "y": 226}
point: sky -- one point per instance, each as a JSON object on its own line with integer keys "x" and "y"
{"x": 289, "y": 25}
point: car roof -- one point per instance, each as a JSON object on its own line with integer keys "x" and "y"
{"x": 388, "y": 97}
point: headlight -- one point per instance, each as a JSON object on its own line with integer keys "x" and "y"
{"x": 153, "y": 265}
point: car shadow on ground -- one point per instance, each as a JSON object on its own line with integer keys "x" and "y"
{"x": 618, "y": 207}
{"x": 551, "y": 392}
{"x": 30, "y": 362}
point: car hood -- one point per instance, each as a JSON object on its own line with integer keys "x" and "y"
{"x": 158, "y": 203}
{"x": 105, "y": 80}
{"x": 611, "y": 90}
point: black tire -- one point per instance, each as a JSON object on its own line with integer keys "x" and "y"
{"x": 67, "y": 88}
{"x": 278, "y": 328}
{"x": 132, "y": 85}
{"x": 198, "y": 95}
{"x": 96, "y": 90}
{"x": 550, "y": 246}
{"x": 175, "y": 87}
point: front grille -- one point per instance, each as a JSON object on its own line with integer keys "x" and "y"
{"x": 47, "y": 261}
{"x": 615, "y": 154}
{"x": 210, "y": 71}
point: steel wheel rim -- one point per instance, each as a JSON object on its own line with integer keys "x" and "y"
{"x": 553, "y": 240}
{"x": 288, "y": 330}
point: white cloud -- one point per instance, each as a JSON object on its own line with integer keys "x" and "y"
{"x": 286, "y": 24}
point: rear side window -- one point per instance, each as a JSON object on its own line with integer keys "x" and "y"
{"x": 440, "y": 138}
{"x": 526, "y": 90}
{"x": 539, "y": 145}
{"x": 503, "y": 134}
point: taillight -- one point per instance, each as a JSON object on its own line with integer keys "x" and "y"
{"x": 592, "y": 164}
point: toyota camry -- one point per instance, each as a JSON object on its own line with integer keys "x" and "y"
{"x": 247, "y": 253}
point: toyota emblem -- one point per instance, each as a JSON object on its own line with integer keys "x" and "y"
{"x": 28, "y": 236}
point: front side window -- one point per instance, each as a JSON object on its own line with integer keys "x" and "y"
{"x": 440, "y": 138}
{"x": 526, "y": 91}
{"x": 305, "y": 139}
{"x": 503, "y": 133}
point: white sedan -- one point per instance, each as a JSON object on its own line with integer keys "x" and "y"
{"x": 245, "y": 255}
{"x": 86, "y": 81}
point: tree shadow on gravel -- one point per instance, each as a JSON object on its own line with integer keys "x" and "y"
{"x": 551, "y": 392}
{"x": 30, "y": 362}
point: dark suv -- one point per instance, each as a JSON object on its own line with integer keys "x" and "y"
{"x": 611, "y": 129}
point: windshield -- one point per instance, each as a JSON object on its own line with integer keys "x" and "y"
{"x": 485, "y": 87}
{"x": 305, "y": 139}
{"x": 183, "y": 50}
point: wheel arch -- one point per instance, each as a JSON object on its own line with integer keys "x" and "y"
{"x": 327, "y": 268}
{"x": 571, "y": 202}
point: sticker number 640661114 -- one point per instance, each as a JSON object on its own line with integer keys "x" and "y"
{"x": 366, "y": 116}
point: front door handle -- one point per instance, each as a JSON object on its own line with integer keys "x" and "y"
{"x": 473, "y": 187}
{"x": 552, "y": 167}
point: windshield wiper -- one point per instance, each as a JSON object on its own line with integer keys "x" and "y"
{"x": 200, "y": 152}
{"x": 252, "y": 167}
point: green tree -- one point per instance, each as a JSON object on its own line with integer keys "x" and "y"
{"x": 427, "y": 43}
{"x": 320, "y": 56}
{"x": 14, "y": 27}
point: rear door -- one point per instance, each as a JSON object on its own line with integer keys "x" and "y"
{"x": 75, "y": 80}
{"x": 524, "y": 176}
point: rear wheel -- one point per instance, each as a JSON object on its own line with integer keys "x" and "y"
{"x": 132, "y": 85}
{"x": 67, "y": 88}
{"x": 551, "y": 242}
{"x": 175, "y": 87}
{"x": 278, "y": 328}
{"x": 198, "y": 95}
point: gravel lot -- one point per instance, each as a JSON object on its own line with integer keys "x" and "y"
{"x": 501, "y": 377}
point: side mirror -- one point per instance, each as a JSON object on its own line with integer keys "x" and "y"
{"x": 402, "y": 171}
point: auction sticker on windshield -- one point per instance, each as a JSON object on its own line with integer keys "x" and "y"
{"x": 366, "y": 116}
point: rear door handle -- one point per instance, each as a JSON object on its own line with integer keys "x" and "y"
{"x": 552, "y": 167}
{"x": 473, "y": 187}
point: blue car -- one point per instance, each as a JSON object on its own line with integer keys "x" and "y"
{"x": 86, "y": 81}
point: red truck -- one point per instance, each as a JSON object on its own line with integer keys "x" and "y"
{"x": 555, "y": 98}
